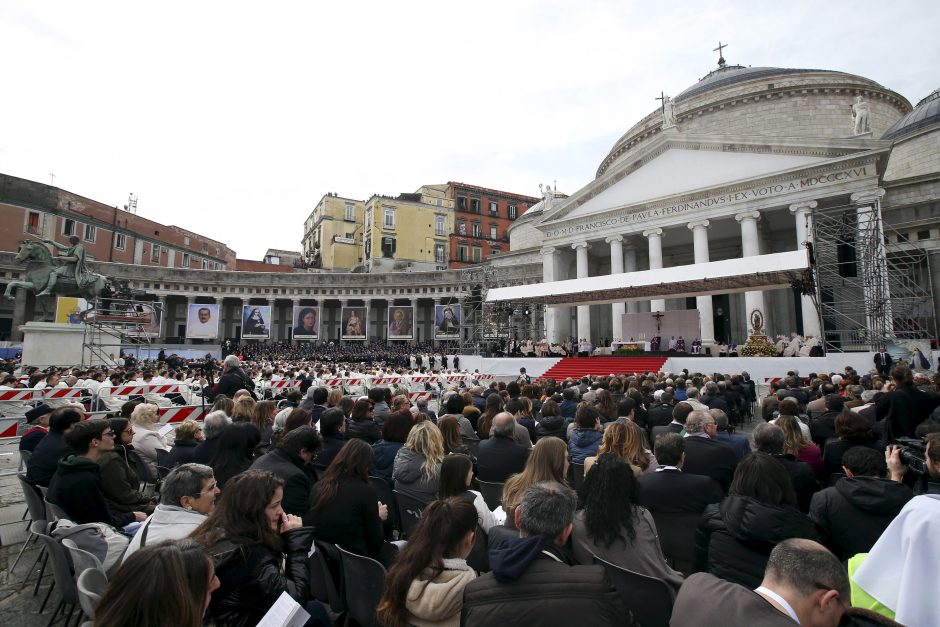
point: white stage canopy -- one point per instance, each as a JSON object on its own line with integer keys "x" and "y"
{"x": 746, "y": 274}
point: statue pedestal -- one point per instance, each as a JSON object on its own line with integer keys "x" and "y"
{"x": 52, "y": 344}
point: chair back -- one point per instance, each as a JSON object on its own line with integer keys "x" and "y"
{"x": 330, "y": 582}
{"x": 677, "y": 538}
{"x": 492, "y": 493}
{"x": 60, "y": 568}
{"x": 81, "y": 559}
{"x": 24, "y": 458}
{"x": 364, "y": 583}
{"x": 163, "y": 467}
{"x": 409, "y": 511}
{"x": 577, "y": 475}
{"x": 385, "y": 494}
{"x": 54, "y": 512}
{"x": 91, "y": 585}
{"x": 143, "y": 470}
{"x": 34, "y": 500}
{"x": 649, "y": 599}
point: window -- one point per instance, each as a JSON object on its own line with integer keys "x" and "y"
{"x": 462, "y": 203}
{"x": 494, "y": 232}
{"x": 350, "y": 213}
{"x": 477, "y": 254}
{"x": 495, "y": 250}
{"x": 903, "y": 237}
{"x": 120, "y": 241}
{"x": 33, "y": 223}
{"x": 205, "y": 247}
{"x": 438, "y": 225}
{"x": 205, "y": 264}
{"x": 155, "y": 253}
{"x": 388, "y": 246}
{"x": 494, "y": 207}
{"x": 923, "y": 234}
{"x": 462, "y": 227}
{"x": 91, "y": 231}
{"x": 475, "y": 205}
{"x": 477, "y": 230}
{"x": 389, "y": 218}
{"x": 369, "y": 220}
{"x": 186, "y": 240}
{"x": 513, "y": 212}
{"x": 184, "y": 260}
{"x": 440, "y": 253}
{"x": 462, "y": 252}
{"x": 68, "y": 226}
{"x": 440, "y": 202}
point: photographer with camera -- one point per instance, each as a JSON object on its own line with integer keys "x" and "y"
{"x": 924, "y": 465}
{"x": 232, "y": 380}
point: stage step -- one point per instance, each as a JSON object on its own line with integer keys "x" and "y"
{"x": 576, "y": 367}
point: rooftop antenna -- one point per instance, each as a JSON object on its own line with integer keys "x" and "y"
{"x": 721, "y": 57}
{"x": 131, "y": 206}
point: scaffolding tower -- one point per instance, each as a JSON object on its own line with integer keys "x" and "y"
{"x": 113, "y": 324}
{"x": 487, "y": 324}
{"x": 869, "y": 293}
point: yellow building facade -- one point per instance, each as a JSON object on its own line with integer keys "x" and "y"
{"x": 333, "y": 233}
{"x": 408, "y": 232}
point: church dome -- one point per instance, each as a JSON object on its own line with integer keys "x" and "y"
{"x": 926, "y": 112}
{"x": 731, "y": 74}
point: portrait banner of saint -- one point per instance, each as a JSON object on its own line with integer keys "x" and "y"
{"x": 354, "y": 323}
{"x": 202, "y": 321}
{"x": 401, "y": 323}
{"x": 306, "y": 322}
{"x": 256, "y": 322}
{"x": 447, "y": 322}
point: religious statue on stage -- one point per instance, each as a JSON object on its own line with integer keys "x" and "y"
{"x": 758, "y": 344}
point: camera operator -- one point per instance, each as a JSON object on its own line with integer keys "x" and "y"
{"x": 232, "y": 380}
{"x": 925, "y": 483}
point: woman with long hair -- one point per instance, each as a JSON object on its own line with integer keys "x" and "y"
{"x": 456, "y": 478}
{"x": 263, "y": 418}
{"x": 259, "y": 551}
{"x": 395, "y": 432}
{"x": 223, "y": 403}
{"x": 236, "y": 451}
{"x": 346, "y": 509}
{"x": 450, "y": 434}
{"x": 119, "y": 481}
{"x": 627, "y": 441}
{"x": 494, "y": 405}
{"x": 425, "y": 584}
{"x": 169, "y": 584}
{"x": 361, "y": 424}
{"x": 470, "y": 411}
{"x": 418, "y": 462}
{"x": 334, "y": 397}
{"x": 586, "y": 435}
{"x": 548, "y": 462}
{"x": 735, "y": 537}
{"x": 795, "y": 443}
{"x": 605, "y": 406}
{"x": 612, "y": 525}
{"x": 244, "y": 409}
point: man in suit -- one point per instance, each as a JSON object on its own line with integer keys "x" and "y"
{"x": 803, "y": 584}
{"x": 704, "y": 455}
{"x": 501, "y": 455}
{"x": 883, "y": 363}
{"x": 817, "y": 407}
{"x": 671, "y": 490}
{"x": 679, "y": 414}
{"x": 660, "y": 412}
{"x": 740, "y": 443}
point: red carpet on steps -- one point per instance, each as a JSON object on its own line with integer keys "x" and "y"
{"x": 576, "y": 367}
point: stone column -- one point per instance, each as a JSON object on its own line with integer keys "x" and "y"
{"x": 706, "y": 321}
{"x": 190, "y": 300}
{"x": 750, "y": 247}
{"x": 629, "y": 265}
{"x": 344, "y": 302}
{"x": 655, "y": 239}
{"x": 437, "y": 301}
{"x": 616, "y": 267}
{"x": 584, "y": 311}
{"x": 416, "y": 320}
{"x": 553, "y": 316}
{"x": 161, "y": 305}
{"x": 272, "y": 336}
{"x": 803, "y": 214}
{"x": 873, "y": 265}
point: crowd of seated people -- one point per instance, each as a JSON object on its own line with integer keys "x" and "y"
{"x": 667, "y": 491}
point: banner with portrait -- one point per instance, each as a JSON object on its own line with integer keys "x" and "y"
{"x": 306, "y": 321}
{"x": 68, "y": 309}
{"x": 202, "y": 321}
{"x": 256, "y": 322}
{"x": 354, "y": 323}
{"x": 401, "y": 323}
{"x": 447, "y": 322}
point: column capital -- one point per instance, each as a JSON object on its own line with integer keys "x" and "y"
{"x": 548, "y": 250}
{"x": 699, "y": 224}
{"x": 747, "y": 215}
{"x": 613, "y": 238}
{"x": 653, "y": 233}
{"x": 583, "y": 245}
{"x": 868, "y": 196}
{"x": 803, "y": 207}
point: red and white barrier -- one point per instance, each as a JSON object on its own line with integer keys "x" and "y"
{"x": 284, "y": 384}
{"x": 8, "y": 428}
{"x": 21, "y": 395}
{"x": 64, "y": 392}
{"x": 415, "y": 396}
{"x": 139, "y": 390}
{"x": 182, "y": 413}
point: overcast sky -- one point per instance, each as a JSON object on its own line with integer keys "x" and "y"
{"x": 232, "y": 119}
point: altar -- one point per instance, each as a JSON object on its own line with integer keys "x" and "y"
{"x": 640, "y": 346}
{"x": 676, "y": 329}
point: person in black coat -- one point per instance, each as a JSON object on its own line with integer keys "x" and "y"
{"x": 501, "y": 456}
{"x": 232, "y": 380}
{"x": 704, "y": 455}
{"x": 735, "y": 537}
{"x": 769, "y": 439}
{"x": 361, "y": 425}
{"x": 290, "y": 461}
{"x": 852, "y": 430}
{"x": 45, "y": 459}
{"x": 186, "y": 438}
{"x": 824, "y": 427}
{"x": 333, "y": 431}
{"x": 883, "y": 363}
{"x": 38, "y": 417}
{"x": 857, "y": 510}
{"x": 669, "y": 489}
{"x": 212, "y": 427}
{"x": 713, "y": 400}
{"x": 660, "y": 412}
{"x": 904, "y": 408}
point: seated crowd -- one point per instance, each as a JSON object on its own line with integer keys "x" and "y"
{"x": 545, "y": 502}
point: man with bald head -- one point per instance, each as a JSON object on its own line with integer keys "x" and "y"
{"x": 704, "y": 454}
{"x": 501, "y": 455}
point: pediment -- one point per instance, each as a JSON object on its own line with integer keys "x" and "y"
{"x": 677, "y": 167}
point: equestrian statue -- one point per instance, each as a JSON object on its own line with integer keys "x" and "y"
{"x": 72, "y": 277}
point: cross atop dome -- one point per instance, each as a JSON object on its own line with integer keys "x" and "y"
{"x": 721, "y": 57}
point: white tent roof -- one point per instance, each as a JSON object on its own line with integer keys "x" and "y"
{"x": 762, "y": 272}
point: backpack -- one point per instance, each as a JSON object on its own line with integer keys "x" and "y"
{"x": 99, "y": 539}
